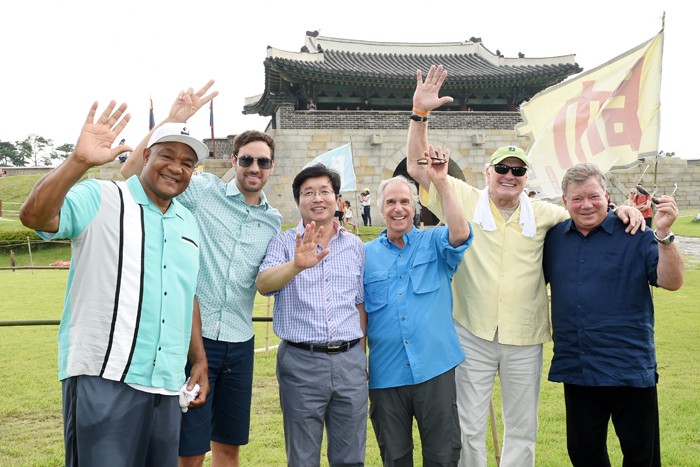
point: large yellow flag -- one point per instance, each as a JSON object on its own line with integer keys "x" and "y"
{"x": 608, "y": 116}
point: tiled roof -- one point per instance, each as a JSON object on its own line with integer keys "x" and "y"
{"x": 351, "y": 63}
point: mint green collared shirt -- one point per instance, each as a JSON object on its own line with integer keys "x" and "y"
{"x": 234, "y": 241}
{"x": 128, "y": 309}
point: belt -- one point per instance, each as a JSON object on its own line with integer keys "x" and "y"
{"x": 329, "y": 349}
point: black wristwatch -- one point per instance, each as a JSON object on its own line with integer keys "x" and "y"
{"x": 419, "y": 118}
{"x": 667, "y": 240}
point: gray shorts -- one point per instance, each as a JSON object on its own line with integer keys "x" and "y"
{"x": 433, "y": 404}
{"x": 110, "y": 423}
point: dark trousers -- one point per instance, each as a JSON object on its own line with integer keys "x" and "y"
{"x": 366, "y": 217}
{"x": 433, "y": 404}
{"x": 635, "y": 416}
{"x": 110, "y": 423}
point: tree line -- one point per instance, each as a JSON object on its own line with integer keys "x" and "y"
{"x": 34, "y": 150}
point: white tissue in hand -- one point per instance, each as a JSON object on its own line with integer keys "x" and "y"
{"x": 187, "y": 396}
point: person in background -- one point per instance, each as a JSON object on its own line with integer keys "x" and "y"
{"x": 128, "y": 326}
{"x": 413, "y": 346}
{"x": 603, "y": 320}
{"x": 315, "y": 271}
{"x": 347, "y": 218}
{"x": 340, "y": 211}
{"x": 416, "y": 217}
{"x": 642, "y": 202}
{"x": 122, "y": 157}
{"x": 365, "y": 199}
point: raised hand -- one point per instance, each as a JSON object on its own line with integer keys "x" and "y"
{"x": 666, "y": 213}
{"x": 94, "y": 146}
{"x": 306, "y": 254}
{"x": 426, "y": 96}
{"x": 189, "y": 102}
{"x": 437, "y": 164}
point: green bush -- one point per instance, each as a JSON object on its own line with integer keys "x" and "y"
{"x": 11, "y": 239}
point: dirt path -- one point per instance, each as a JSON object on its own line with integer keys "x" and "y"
{"x": 690, "y": 248}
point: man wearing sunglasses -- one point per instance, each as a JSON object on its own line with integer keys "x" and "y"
{"x": 501, "y": 307}
{"x": 236, "y": 223}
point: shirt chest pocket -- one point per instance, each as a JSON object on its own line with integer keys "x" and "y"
{"x": 425, "y": 272}
{"x": 185, "y": 260}
{"x": 376, "y": 290}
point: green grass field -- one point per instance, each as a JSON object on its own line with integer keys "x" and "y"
{"x": 30, "y": 414}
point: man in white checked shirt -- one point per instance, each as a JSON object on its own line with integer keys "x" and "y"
{"x": 315, "y": 273}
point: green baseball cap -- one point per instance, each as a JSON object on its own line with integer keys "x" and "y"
{"x": 505, "y": 152}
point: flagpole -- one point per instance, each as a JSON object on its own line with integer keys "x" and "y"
{"x": 151, "y": 118}
{"x": 211, "y": 124}
{"x": 354, "y": 194}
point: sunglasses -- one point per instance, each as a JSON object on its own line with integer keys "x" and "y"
{"x": 503, "y": 169}
{"x": 247, "y": 161}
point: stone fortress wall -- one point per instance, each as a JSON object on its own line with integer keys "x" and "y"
{"x": 379, "y": 148}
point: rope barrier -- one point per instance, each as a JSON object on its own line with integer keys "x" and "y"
{"x": 56, "y": 322}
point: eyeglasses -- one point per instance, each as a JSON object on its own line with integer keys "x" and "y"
{"x": 247, "y": 161}
{"x": 503, "y": 169}
{"x": 323, "y": 193}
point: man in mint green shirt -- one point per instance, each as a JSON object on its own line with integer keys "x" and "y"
{"x": 128, "y": 325}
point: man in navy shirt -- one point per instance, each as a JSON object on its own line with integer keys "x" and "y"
{"x": 603, "y": 319}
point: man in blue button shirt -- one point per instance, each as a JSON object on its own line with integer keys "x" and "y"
{"x": 413, "y": 344}
{"x": 603, "y": 319}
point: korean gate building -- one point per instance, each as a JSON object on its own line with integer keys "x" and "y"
{"x": 363, "y": 94}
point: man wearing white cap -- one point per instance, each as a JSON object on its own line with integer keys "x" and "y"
{"x": 124, "y": 336}
{"x": 237, "y": 223}
{"x": 500, "y": 301}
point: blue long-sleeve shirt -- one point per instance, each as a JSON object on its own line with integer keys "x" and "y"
{"x": 408, "y": 300}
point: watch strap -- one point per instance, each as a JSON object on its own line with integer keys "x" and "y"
{"x": 667, "y": 240}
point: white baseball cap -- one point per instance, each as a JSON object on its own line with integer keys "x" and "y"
{"x": 178, "y": 133}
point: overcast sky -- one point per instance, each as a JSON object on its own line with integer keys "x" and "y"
{"x": 59, "y": 57}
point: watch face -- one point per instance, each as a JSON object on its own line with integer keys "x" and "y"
{"x": 668, "y": 239}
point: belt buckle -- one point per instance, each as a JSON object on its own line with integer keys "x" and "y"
{"x": 333, "y": 349}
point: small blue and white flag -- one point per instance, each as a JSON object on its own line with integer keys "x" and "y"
{"x": 340, "y": 160}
